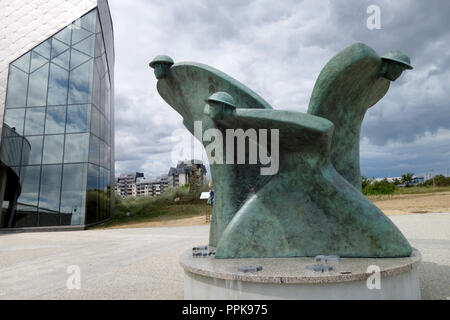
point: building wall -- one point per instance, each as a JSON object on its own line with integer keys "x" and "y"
{"x": 25, "y": 24}
{"x": 60, "y": 96}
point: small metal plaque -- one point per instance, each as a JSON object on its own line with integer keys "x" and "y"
{"x": 326, "y": 259}
{"x": 250, "y": 269}
{"x": 319, "y": 268}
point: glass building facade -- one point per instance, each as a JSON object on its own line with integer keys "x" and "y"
{"x": 60, "y": 99}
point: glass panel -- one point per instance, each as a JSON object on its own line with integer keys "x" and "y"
{"x": 58, "y": 47}
{"x": 37, "y": 87}
{"x": 43, "y": 49}
{"x": 17, "y": 88}
{"x": 36, "y": 150}
{"x": 102, "y": 154}
{"x": 78, "y": 119}
{"x": 37, "y": 61}
{"x": 88, "y": 21}
{"x": 14, "y": 118}
{"x": 86, "y": 46}
{"x": 63, "y": 60}
{"x": 76, "y": 148}
{"x": 58, "y": 83}
{"x": 26, "y": 212}
{"x": 95, "y": 121}
{"x": 23, "y": 62}
{"x": 73, "y": 196}
{"x": 96, "y": 93}
{"x": 49, "y": 195}
{"x": 92, "y": 194}
{"x": 64, "y": 35}
{"x": 53, "y": 149}
{"x": 56, "y": 120}
{"x": 77, "y": 58}
{"x": 108, "y": 158}
{"x": 79, "y": 34}
{"x": 94, "y": 150}
{"x": 81, "y": 84}
{"x": 34, "y": 121}
{"x": 30, "y": 185}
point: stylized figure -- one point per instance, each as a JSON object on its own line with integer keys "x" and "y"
{"x": 313, "y": 205}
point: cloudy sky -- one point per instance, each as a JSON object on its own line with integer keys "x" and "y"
{"x": 278, "y": 48}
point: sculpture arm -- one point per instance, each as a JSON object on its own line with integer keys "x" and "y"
{"x": 297, "y": 131}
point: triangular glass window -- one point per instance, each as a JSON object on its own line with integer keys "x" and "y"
{"x": 77, "y": 58}
{"x": 37, "y": 87}
{"x": 23, "y": 63}
{"x": 86, "y": 46}
{"x": 79, "y": 34}
{"x": 64, "y": 35}
{"x": 58, "y": 47}
{"x": 36, "y": 61}
{"x": 63, "y": 60}
{"x": 88, "y": 21}
{"x": 43, "y": 49}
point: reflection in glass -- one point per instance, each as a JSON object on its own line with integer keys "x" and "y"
{"x": 53, "y": 149}
{"x": 64, "y": 35}
{"x": 57, "y": 86}
{"x": 63, "y": 60}
{"x": 37, "y": 61}
{"x": 36, "y": 150}
{"x": 49, "y": 195}
{"x": 17, "y": 87}
{"x": 23, "y": 63}
{"x": 88, "y": 21}
{"x": 95, "y": 121}
{"x": 79, "y": 34}
{"x": 34, "y": 121}
{"x": 30, "y": 187}
{"x": 44, "y": 49}
{"x": 80, "y": 84}
{"x": 78, "y": 118}
{"x": 94, "y": 150}
{"x": 92, "y": 194}
{"x": 58, "y": 47}
{"x": 86, "y": 46}
{"x": 56, "y": 120}
{"x": 73, "y": 194}
{"x": 37, "y": 87}
{"x": 77, "y": 58}
{"x": 14, "y": 119}
{"x": 76, "y": 148}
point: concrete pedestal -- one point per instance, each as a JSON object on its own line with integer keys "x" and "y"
{"x": 288, "y": 278}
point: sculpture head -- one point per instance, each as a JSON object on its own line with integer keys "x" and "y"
{"x": 161, "y": 64}
{"x": 394, "y": 63}
{"x": 219, "y": 105}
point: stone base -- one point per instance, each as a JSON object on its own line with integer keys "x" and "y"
{"x": 287, "y": 278}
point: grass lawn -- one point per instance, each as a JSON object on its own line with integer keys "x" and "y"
{"x": 173, "y": 204}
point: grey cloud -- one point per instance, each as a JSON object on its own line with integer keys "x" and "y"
{"x": 278, "y": 49}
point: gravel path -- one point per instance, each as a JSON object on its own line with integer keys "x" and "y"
{"x": 143, "y": 263}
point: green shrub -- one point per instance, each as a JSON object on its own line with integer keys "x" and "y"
{"x": 379, "y": 187}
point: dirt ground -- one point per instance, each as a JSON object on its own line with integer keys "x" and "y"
{"x": 414, "y": 203}
{"x": 390, "y": 205}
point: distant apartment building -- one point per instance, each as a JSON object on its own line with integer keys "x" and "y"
{"x": 136, "y": 185}
{"x": 180, "y": 175}
{"x": 126, "y": 184}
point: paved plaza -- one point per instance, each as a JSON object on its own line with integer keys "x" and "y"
{"x": 143, "y": 263}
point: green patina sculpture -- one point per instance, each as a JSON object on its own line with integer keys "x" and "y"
{"x": 313, "y": 204}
